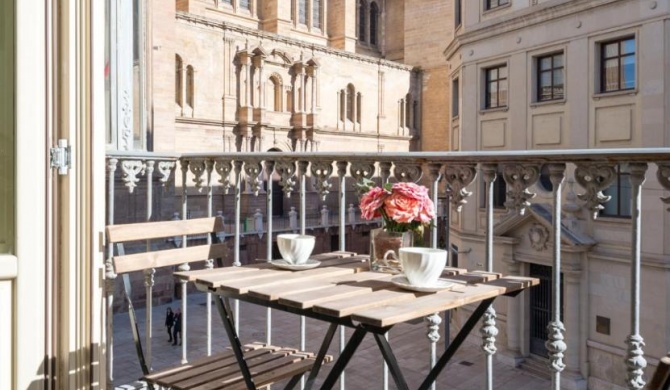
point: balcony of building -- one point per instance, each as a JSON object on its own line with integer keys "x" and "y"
{"x": 549, "y": 197}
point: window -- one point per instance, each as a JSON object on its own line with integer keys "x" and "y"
{"x": 617, "y": 70}
{"x": 275, "y": 94}
{"x": 491, "y": 4}
{"x": 316, "y": 13}
{"x": 457, "y": 13}
{"x": 343, "y": 100}
{"x": 244, "y": 4}
{"x": 550, "y": 78}
{"x": 620, "y": 191}
{"x": 351, "y": 101}
{"x": 496, "y": 87}
{"x": 408, "y": 110}
{"x": 455, "y": 98}
{"x": 302, "y": 11}
{"x": 178, "y": 80}
{"x": 374, "y": 14}
{"x": 190, "y": 86}
{"x": 359, "y": 105}
{"x": 229, "y": 2}
{"x": 362, "y": 16}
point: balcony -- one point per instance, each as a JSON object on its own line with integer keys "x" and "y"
{"x": 262, "y": 194}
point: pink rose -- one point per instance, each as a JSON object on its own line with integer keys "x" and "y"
{"x": 408, "y": 203}
{"x": 372, "y": 202}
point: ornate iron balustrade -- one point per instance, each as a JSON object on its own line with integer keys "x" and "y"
{"x": 454, "y": 172}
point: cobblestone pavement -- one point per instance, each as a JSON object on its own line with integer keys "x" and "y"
{"x": 464, "y": 372}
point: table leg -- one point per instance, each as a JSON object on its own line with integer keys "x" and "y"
{"x": 458, "y": 340}
{"x": 320, "y": 356}
{"x": 392, "y": 362}
{"x": 227, "y": 319}
{"x": 344, "y": 358}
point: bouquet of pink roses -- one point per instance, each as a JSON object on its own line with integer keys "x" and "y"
{"x": 402, "y": 206}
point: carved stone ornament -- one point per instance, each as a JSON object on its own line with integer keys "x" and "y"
{"x": 223, "y": 168}
{"x": 663, "y": 176}
{"x": 555, "y": 345}
{"x": 518, "y": 178}
{"x": 539, "y": 237}
{"x": 594, "y": 178}
{"x": 489, "y": 331}
{"x": 407, "y": 172}
{"x": 635, "y": 362}
{"x": 322, "y": 170}
{"x": 197, "y": 168}
{"x": 253, "y": 171}
{"x": 165, "y": 170}
{"x": 361, "y": 170}
{"x": 130, "y": 169}
{"x": 286, "y": 170}
{"x": 458, "y": 177}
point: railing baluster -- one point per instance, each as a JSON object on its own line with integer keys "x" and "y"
{"x": 149, "y": 273}
{"x": 489, "y": 330}
{"x": 635, "y": 355}
{"x": 110, "y": 275}
{"x": 434, "y": 320}
{"x": 342, "y": 173}
{"x": 236, "y": 257}
{"x": 269, "y": 169}
{"x": 302, "y": 172}
{"x": 555, "y": 344}
{"x": 209, "y": 167}
{"x": 185, "y": 266}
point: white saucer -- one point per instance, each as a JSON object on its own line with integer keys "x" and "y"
{"x": 283, "y": 264}
{"x": 402, "y": 282}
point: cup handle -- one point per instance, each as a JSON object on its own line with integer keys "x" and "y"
{"x": 389, "y": 253}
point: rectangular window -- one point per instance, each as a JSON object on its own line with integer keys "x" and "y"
{"x": 244, "y": 4}
{"x": 316, "y": 13}
{"x": 496, "y": 87}
{"x": 499, "y": 192}
{"x": 455, "y": 96}
{"x": 617, "y": 65}
{"x": 550, "y": 77}
{"x": 457, "y": 13}
{"x": 491, "y": 4}
{"x": 620, "y": 192}
{"x": 302, "y": 11}
{"x": 229, "y": 2}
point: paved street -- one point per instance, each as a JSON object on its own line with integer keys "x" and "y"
{"x": 465, "y": 371}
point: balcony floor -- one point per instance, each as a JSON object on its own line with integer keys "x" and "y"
{"x": 409, "y": 341}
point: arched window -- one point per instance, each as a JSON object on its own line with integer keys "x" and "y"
{"x": 374, "y": 15}
{"x": 316, "y": 13}
{"x": 302, "y": 11}
{"x": 362, "y": 16}
{"x": 343, "y": 99}
{"x": 289, "y": 100}
{"x": 408, "y": 110}
{"x": 351, "y": 101}
{"x": 190, "y": 86}
{"x": 274, "y": 95}
{"x": 178, "y": 80}
{"x": 359, "y": 106}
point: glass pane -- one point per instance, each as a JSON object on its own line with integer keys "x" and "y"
{"x": 502, "y": 73}
{"x": 545, "y": 63}
{"x": 611, "y": 49}
{"x": 7, "y": 129}
{"x": 302, "y": 11}
{"x": 316, "y": 13}
{"x": 628, "y": 46}
{"x": 493, "y": 98}
{"x": 558, "y": 77}
{"x": 626, "y": 195}
{"x": 502, "y": 95}
{"x": 244, "y": 4}
{"x": 493, "y": 74}
{"x": 628, "y": 72}
{"x": 545, "y": 79}
{"x": 558, "y": 60}
{"x": 611, "y": 78}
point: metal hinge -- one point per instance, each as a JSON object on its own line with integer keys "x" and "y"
{"x": 60, "y": 157}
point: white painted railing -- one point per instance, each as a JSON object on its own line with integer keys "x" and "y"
{"x": 251, "y": 174}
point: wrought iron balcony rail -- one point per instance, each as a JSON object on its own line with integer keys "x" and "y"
{"x": 202, "y": 177}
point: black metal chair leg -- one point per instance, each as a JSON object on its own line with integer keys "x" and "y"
{"x": 344, "y": 358}
{"x": 325, "y": 344}
{"x": 392, "y": 362}
{"x": 227, "y": 319}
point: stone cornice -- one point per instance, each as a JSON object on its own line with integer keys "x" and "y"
{"x": 363, "y": 135}
{"x": 263, "y": 35}
{"x": 522, "y": 19}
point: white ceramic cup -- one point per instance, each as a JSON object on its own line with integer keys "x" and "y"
{"x": 295, "y": 248}
{"x": 422, "y": 266}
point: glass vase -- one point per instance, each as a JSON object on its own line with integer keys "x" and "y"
{"x": 381, "y": 242}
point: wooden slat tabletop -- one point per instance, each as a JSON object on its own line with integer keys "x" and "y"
{"x": 341, "y": 286}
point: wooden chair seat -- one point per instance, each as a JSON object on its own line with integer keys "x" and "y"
{"x": 268, "y": 364}
{"x": 661, "y": 378}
